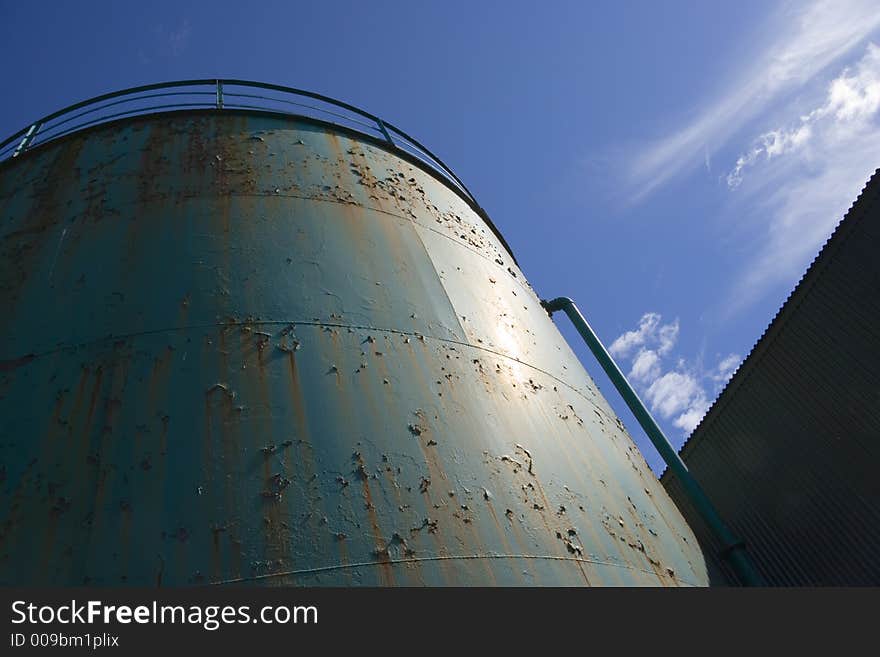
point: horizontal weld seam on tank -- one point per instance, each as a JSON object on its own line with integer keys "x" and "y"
{"x": 523, "y": 286}
{"x": 519, "y": 282}
{"x": 275, "y": 322}
{"x": 362, "y": 564}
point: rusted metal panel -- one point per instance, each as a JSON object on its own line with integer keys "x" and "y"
{"x": 242, "y": 348}
{"x": 789, "y": 450}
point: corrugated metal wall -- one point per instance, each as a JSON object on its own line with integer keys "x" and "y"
{"x": 789, "y": 452}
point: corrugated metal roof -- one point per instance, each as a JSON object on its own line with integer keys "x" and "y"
{"x": 788, "y": 452}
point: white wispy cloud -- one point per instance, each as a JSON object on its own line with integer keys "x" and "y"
{"x": 647, "y": 330}
{"x": 801, "y": 41}
{"x": 673, "y": 393}
{"x": 851, "y": 101}
{"x": 667, "y": 335}
{"x": 689, "y": 420}
{"x": 803, "y": 176}
{"x": 171, "y": 42}
{"x": 676, "y": 392}
{"x": 645, "y": 367}
{"x": 726, "y": 368}
{"x": 770, "y": 144}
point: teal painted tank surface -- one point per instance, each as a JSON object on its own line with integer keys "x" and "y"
{"x": 246, "y": 348}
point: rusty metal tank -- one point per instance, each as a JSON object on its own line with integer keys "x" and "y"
{"x": 240, "y": 346}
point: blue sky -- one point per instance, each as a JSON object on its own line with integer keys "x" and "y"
{"x": 674, "y": 167}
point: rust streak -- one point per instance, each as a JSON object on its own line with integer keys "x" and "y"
{"x": 378, "y": 540}
{"x": 15, "y": 363}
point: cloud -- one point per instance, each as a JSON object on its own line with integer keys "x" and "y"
{"x": 798, "y": 189}
{"x": 645, "y": 367}
{"x": 647, "y": 330}
{"x": 689, "y": 420}
{"x": 672, "y": 393}
{"x": 677, "y": 393}
{"x": 770, "y": 144}
{"x": 802, "y": 41}
{"x": 667, "y": 336}
{"x": 172, "y": 42}
{"x": 648, "y": 333}
{"x": 851, "y": 98}
{"x": 726, "y": 368}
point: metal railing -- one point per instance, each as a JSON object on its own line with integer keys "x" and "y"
{"x": 223, "y": 95}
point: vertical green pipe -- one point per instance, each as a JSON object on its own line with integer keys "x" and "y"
{"x": 733, "y": 550}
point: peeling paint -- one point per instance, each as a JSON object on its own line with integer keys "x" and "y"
{"x": 265, "y": 352}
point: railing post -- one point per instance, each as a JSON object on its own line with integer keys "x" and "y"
{"x": 27, "y": 139}
{"x": 385, "y": 132}
{"x": 219, "y": 94}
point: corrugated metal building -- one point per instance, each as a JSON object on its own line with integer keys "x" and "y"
{"x": 789, "y": 451}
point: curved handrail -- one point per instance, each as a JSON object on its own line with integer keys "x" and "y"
{"x": 192, "y": 96}
{"x": 50, "y": 126}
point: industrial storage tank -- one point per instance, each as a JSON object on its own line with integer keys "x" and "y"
{"x": 241, "y": 345}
